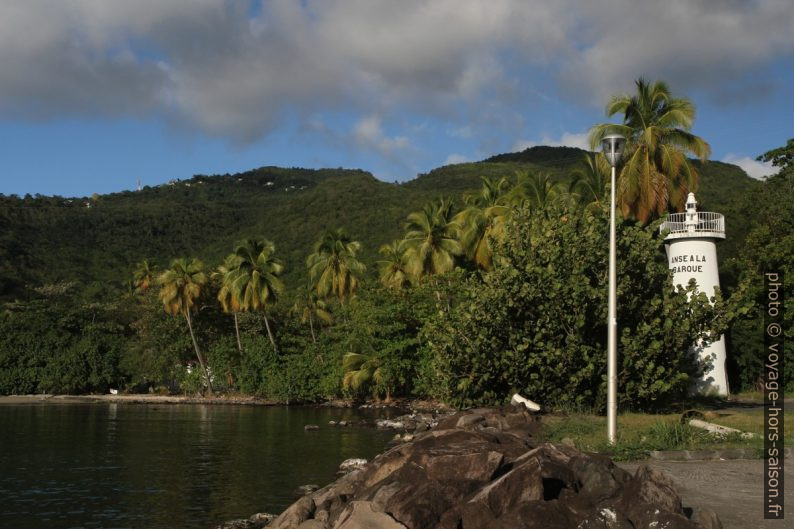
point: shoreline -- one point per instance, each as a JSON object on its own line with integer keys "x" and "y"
{"x": 133, "y": 399}
{"x": 220, "y": 400}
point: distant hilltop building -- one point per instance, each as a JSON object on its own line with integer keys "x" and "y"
{"x": 691, "y": 246}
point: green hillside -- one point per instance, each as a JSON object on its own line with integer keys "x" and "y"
{"x": 70, "y": 321}
{"x": 96, "y": 241}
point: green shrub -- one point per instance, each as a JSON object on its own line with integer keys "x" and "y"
{"x": 536, "y": 323}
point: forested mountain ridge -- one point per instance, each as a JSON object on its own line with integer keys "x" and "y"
{"x": 97, "y": 240}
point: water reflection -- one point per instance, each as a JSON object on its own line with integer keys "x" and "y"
{"x": 152, "y": 466}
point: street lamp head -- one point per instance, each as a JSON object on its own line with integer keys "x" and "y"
{"x": 613, "y": 146}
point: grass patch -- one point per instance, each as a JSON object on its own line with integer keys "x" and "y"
{"x": 756, "y": 396}
{"x": 641, "y": 433}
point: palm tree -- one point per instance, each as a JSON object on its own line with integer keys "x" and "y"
{"x": 228, "y": 294}
{"x": 143, "y": 275}
{"x": 309, "y": 307}
{"x": 432, "y": 239}
{"x": 590, "y": 183}
{"x": 362, "y": 370}
{"x": 534, "y": 189}
{"x": 180, "y": 286}
{"x": 484, "y": 219}
{"x": 656, "y": 174}
{"x": 393, "y": 268}
{"x": 333, "y": 267}
{"x": 256, "y": 279}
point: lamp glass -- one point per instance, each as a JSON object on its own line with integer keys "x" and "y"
{"x": 612, "y": 147}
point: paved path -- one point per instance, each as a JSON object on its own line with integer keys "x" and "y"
{"x": 733, "y": 489}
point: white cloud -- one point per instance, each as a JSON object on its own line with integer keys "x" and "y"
{"x": 708, "y": 44}
{"x": 368, "y": 134}
{"x": 466, "y": 132}
{"x": 752, "y": 167}
{"x": 567, "y": 139}
{"x": 213, "y": 67}
{"x": 456, "y": 158}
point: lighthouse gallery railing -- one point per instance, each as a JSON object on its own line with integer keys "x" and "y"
{"x": 705, "y": 222}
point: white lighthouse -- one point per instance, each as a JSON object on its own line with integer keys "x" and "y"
{"x": 691, "y": 246}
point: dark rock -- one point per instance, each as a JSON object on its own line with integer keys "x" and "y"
{"x": 303, "y": 490}
{"x": 420, "y": 501}
{"x": 649, "y": 499}
{"x": 296, "y": 514}
{"x": 485, "y": 469}
{"x": 655, "y": 488}
{"x": 313, "y": 524}
{"x": 261, "y": 519}
{"x": 469, "y": 420}
{"x": 366, "y": 515}
{"x": 256, "y": 521}
{"x": 598, "y": 477}
{"x": 237, "y": 524}
{"x": 476, "y": 466}
{"x": 706, "y": 519}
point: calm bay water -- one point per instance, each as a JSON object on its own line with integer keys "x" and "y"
{"x": 164, "y": 466}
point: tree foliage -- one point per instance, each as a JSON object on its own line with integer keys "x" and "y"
{"x": 768, "y": 247}
{"x": 78, "y": 316}
{"x": 536, "y": 323}
{"x": 431, "y": 236}
{"x": 334, "y": 269}
{"x": 180, "y": 287}
{"x": 255, "y": 282}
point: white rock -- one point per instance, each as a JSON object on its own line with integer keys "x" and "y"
{"x": 386, "y": 423}
{"x": 719, "y": 430}
{"x": 518, "y": 399}
{"x": 351, "y": 464}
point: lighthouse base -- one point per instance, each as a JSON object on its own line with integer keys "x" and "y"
{"x": 714, "y": 380}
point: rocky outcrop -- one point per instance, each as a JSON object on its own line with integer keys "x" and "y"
{"x": 484, "y": 468}
{"x": 257, "y": 521}
{"x": 349, "y": 465}
{"x": 416, "y": 421}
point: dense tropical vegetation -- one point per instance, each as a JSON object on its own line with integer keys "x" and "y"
{"x": 465, "y": 284}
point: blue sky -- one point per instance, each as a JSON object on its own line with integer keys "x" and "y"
{"x": 97, "y": 94}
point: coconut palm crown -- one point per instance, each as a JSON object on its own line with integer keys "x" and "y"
{"x": 432, "y": 239}
{"x": 656, "y": 174}
{"x": 227, "y": 275}
{"x": 483, "y": 219}
{"x": 589, "y": 183}
{"x": 393, "y": 267}
{"x": 256, "y": 282}
{"x": 333, "y": 267}
{"x": 144, "y": 275}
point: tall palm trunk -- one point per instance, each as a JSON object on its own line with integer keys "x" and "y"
{"x": 438, "y": 303}
{"x": 270, "y": 334}
{"x": 237, "y": 332}
{"x": 198, "y": 353}
{"x": 229, "y": 374}
{"x": 311, "y": 327}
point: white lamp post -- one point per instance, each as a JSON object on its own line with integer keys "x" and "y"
{"x": 612, "y": 146}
